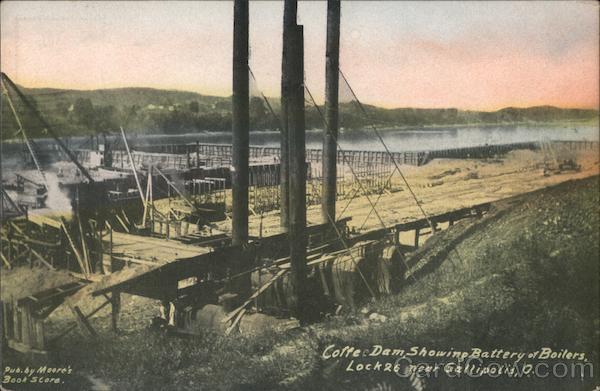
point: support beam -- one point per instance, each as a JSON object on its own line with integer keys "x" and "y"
{"x": 83, "y": 322}
{"x": 297, "y": 180}
{"x": 290, "y": 10}
{"x": 77, "y": 323}
{"x": 146, "y": 198}
{"x": 8, "y": 265}
{"x": 331, "y": 111}
{"x": 241, "y": 123}
{"x": 135, "y": 175}
{"x": 73, "y": 247}
{"x": 241, "y": 141}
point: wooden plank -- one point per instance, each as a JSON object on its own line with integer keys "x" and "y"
{"x": 52, "y": 294}
{"x": 39, "y": 335}
{"x": 135, "y": 175}
{"x": 71, "y": 327}
{"x": 16, "y": 321}
{"x": 17, "y": 228}
{"x": 86, "y": 256}
{"x": 8, "y": 265}
{"x": 120, "y": 220}
{"x": 82, "y": 321}
{"x": 146, "y": 198}
{"x": 72, "y": 243}
{"x": 7, "y": 320}
{"x": 42, "y": 220}
{"x": 25, "y": 325}
{"x": 235, "y": 322}
{"x": 135, "y": 260}
{"x": 41, "y": 259}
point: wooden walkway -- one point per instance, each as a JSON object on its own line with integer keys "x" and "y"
{"x": 415, "y": 158}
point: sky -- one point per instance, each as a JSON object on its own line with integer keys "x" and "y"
{"x": 469, "y": 55}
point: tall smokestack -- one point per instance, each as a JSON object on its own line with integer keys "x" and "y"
{"x": 241, "y": 121}
{"x": 290, "y": 11}
{"x": 331, "y": 111}
{"x": 297, "y": 185}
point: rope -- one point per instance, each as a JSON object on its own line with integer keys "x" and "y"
{"x": 394, "y": 161}
{"x": 387, "y": 151}
{"x": 264, "y": 97}
{"x": 29, "y": 143}
{"x": 344, "y": 156}
{"x": 377, "y": 200}
{"x": 353, "y": 173}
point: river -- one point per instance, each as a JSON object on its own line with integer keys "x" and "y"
{"x": 397, "y": 140}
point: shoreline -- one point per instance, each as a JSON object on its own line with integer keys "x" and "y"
{"x": 383, "y": 128}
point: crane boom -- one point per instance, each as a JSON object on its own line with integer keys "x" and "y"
{"x": 47, "y": 127}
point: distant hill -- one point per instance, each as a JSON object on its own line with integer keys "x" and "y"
{"x": 122, "y": 97}
{"x": 149, "y": 110}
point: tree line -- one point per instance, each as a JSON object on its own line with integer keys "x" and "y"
{"x": 82, "y": 117}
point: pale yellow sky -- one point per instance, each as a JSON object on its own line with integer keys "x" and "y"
{"x": 474, "y": 55}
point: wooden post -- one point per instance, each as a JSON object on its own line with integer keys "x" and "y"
{"x": 241, "y": 120}
{"x": 297, "y": 179}
{"x": 7, "y": 320}
{"x": 290, "y": 10}
{"x": 25, "y": 325}
{"x": 111, "y": 265}
{"x": 84, "y": 248}
{"x": 417, "y": 237}
{"x": 168, "y": 225}
{"x": 115, "y": 309}
{"x": 329, "y": 161}
{"x": 148, "y": 186}
{"x": 241, "y": 144}
{"x": 9, "y": 252}
{"x": 16, "y": 320}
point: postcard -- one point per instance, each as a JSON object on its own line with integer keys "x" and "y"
{"x": 300, "y": 195}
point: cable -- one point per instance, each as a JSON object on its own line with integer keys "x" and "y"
{"x": 353, "y": 173}
{"x": 393, "y": 159}
{"x": 387, "y": 151}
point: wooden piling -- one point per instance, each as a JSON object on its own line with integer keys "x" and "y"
{"x": 290, "y": 9}
{"x": 241, "y": 120}
{"x": 297, "y": 179}
{"x": 241, "y": 140}
{"x": 329, "y": 161}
